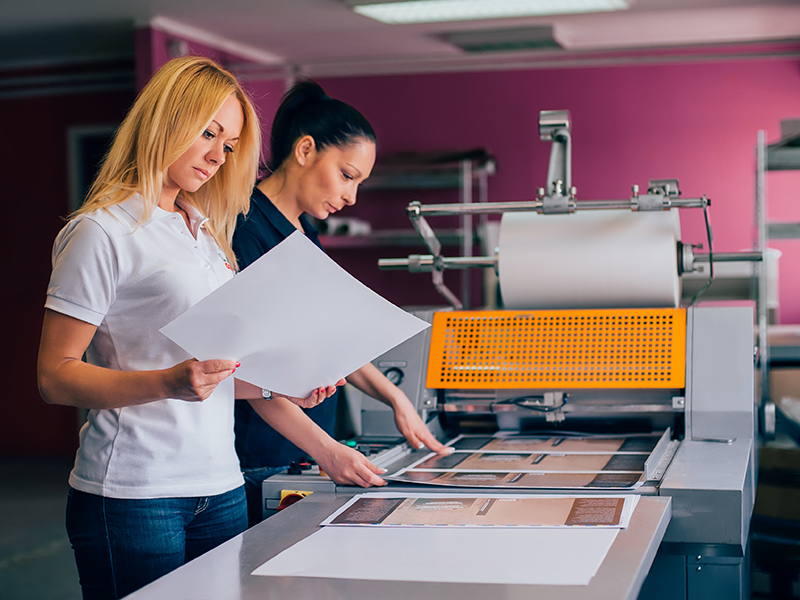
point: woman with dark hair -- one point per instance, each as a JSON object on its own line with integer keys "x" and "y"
{"x": 321, "y": 150}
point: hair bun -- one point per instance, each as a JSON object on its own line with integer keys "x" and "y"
{"x": 307, "y": 110}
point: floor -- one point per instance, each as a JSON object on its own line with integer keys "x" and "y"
{"x": 36, "y": 561}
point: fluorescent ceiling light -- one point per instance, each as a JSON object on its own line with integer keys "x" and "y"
{"x": 436, "y": 11}
{"x": 539, "y": 37}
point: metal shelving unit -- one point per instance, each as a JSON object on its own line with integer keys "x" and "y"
{"x": 780, "y": 156}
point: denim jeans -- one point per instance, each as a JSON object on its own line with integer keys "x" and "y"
{"x": 121, "y": 545}
{"x": 252, "y": 488}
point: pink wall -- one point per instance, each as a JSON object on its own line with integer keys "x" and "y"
{"x": 696, "y": 122}
{"x": 35, "y": 197}
{"x": 153, "y": 50}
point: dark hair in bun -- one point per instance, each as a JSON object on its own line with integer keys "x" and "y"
{"x": 307, "y": 110}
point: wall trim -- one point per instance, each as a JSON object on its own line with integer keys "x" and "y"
{"x": 207, "y": 38}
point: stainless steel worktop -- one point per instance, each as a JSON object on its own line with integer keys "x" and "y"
{"x": 225, "y": 572}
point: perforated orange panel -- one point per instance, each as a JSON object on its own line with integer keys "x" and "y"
{"x": 618, "y": 348}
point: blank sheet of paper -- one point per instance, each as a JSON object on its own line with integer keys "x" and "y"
{"x": 447, "y": 554}
{"x": 294, "y": 319}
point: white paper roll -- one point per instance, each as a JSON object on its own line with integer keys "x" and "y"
{"x": 589, "y": 259}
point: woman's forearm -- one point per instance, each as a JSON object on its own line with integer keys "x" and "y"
{"x": 76, "y": 383}
{"x": 291, "y": 422}
{"x": 64, "y": 378}
{"x": 341, "y": 463}
{"x": 372, "y": 382}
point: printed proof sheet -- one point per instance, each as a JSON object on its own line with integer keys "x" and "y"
{"x": 486, "y": 510}
{"x": 542, "y": 540}
{"x": 536, "y": 462}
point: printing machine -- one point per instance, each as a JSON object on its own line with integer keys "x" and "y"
{"x": 687, "y": 373}
{"x": 705, "y": 461}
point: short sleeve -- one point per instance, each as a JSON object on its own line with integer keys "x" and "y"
{"x": 85, "y": 273}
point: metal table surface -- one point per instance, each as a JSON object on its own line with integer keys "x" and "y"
{"x": 225, "y": 572}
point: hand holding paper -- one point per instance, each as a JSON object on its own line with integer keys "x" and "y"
{"x": 285, "y": 338}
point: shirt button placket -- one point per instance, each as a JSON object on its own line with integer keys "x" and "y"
{"x": 201, "y": 257}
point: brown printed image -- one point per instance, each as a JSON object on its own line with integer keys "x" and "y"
{"x": 455, "y": 478}
{"x": 552, "y": 444}
{"x": 560, "y": 481}
{"x": 486, "y": 461}
{"x": 523, "y": 444}
{"x": 367, "y": 510}
{"x": 595, "y": 511}
{"x": 483, "y": 511}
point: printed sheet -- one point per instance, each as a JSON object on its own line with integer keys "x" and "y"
{"x": 536, "y": 462}
{"x": 530, "y": 540}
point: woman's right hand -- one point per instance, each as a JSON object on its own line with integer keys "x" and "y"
{"x": 315, "y": 397}
{"x": 194, "y": 380}
{"x": 347, "y": 466}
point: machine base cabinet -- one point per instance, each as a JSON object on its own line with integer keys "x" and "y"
{"x": 676, "y": 576}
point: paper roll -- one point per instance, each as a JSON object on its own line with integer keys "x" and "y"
{"x": 589, "y": 259}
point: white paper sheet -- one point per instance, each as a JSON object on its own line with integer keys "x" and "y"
{"x": 295, "y": 321}
{"x": 566, "y": 556}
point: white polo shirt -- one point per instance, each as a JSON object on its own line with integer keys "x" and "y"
{"x": 129, "y": 280}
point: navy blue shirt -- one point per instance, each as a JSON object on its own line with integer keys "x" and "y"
{"x": 257, "y": 444}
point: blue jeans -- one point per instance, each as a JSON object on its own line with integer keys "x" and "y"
{"x": 121, "y": 545}
{"x": 252, "y": 488}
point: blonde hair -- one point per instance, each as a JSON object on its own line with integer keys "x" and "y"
{"x": 170, "y": 113}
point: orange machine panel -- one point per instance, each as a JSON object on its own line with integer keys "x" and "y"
{"x": 547, "y": 349}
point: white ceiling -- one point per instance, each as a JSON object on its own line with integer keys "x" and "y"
{"x": 325, "y": 37}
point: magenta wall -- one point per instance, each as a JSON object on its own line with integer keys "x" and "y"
{"x": 153, "y": 50}
{"x": 35, "y": 195}
{"x": 696, "y": 122}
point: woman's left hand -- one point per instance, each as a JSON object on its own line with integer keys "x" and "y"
{"x": 413, "y": 428}
{"x": 315, "y": 397}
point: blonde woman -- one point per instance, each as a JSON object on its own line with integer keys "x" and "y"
{"x": 156, "y": 479}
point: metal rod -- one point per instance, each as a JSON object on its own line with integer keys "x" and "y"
{"x": 623, "y": 204}
{"x": 434, "y": 210}
{"x": 488, "y": 208}
{"x": 425, "y": 262}
{"x": 466, "y": 230}
{"x": 762, "y": 307}
{"x": 754, "y": 256}
{"x": 438, "y": 282}
{"x": 393, "y": 264}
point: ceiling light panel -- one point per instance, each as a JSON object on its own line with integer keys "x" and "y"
{"x": 505, "y": 40}
{"x": 437, "y": 11}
